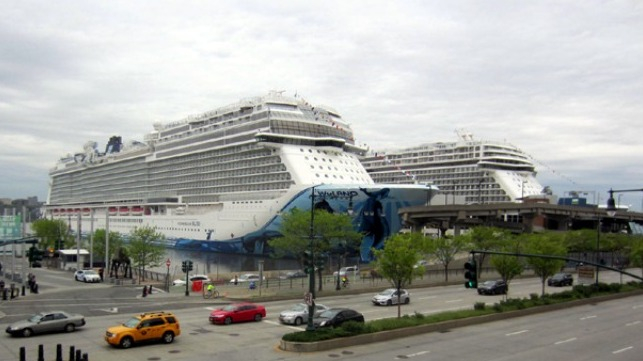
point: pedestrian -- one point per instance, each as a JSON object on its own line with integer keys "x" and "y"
{"x": 236, "y": 280}
{"x": 100, "y": 273}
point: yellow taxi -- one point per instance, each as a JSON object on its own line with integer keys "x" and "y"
{"x": 145, "y": 327}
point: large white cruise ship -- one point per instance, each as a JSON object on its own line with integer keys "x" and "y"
{"x": 467, "y": 171}
{"x": 219, "y": 181}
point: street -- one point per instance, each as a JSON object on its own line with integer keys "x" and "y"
{"x": 107, "y": 305}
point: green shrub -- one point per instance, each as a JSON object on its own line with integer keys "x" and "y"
{"x": 479, "y": 306}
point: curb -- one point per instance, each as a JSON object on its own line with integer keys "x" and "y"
{"x": 440, "y": 326}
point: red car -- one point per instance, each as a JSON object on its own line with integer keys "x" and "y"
{"x": 238, "y": 312}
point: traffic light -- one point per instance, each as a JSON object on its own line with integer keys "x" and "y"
{"x": 37, "y": 255}
{"x": 31, "y": 252}
{"x": 308, "y": 262}
{"x": 471, "y": 274}
{"x": 320, "y": 262}
{"x": 187, "y": 266}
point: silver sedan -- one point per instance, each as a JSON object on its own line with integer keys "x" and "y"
{"x": 43, "y": 322}
{"x": 390, "y": 297}
{"x": 298, "y": 314}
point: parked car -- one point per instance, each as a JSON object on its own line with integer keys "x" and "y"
{"x": 238, "y": 312}
{"x": 181, "y": 282}
{"x": 390, "y": 297}
{"x": 496, "y": 287}
{"x": 50, "y": 321}
{"x": 146, "y": 327}
{"x": 87, "y": 275}
{"x": 346, "y": 271}
{"x": 561, "y": 279}
{"x": 246, "y": 277}
{"x": 335, "y": 317}
{"x": 294, "y": 274}
{"x": 298, "y": 314}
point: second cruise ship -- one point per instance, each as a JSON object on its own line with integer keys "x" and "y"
{"x": 466, "y": 171}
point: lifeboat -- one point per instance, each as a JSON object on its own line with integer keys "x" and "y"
{"x": 123, "y": 210}
{"x": 137, "y": 210}
{"x": 70, "y": 211}
{"x": 111, "y": 211}
{"x": 55, "y": 211}
{"x": 86, "y": 211}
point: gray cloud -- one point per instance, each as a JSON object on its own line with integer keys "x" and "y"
{"x": 561, "y": 80}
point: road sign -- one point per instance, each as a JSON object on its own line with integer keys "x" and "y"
{"x": 308, "y": 298}
{"x": 167, "y": 263}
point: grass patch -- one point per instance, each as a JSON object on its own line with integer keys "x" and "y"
{"x": 479, "y": 309}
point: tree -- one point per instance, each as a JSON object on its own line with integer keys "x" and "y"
{"x": 636, "y": 254}
{"x": 508, "y": 266}
{"x": 396, "y": 260}
{"x": 115, "y": 243}
{"x": 329, "y": 230}
{"x": 445, "y": 248}
{"x": 54, "y": 233}
{"x": 545, "y": 244}
{"x": 145, "y": 248}
{"x": 486, "y": 239}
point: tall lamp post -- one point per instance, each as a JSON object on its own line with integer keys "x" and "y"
{"x": 310, "y": 299}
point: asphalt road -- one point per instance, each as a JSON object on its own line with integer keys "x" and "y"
{"x": 107, "y": 304}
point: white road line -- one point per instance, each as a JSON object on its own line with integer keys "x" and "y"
{"x": 412, "y": 355}
{"x": 633, "y": 323}
{"x": 565, "y": 341}
{"x": 637, "y": 306}
{"x": 426, "y": 298}
{"x": 516, "y": 333}
{"x": 452, "y": 301}
{"x": 588, "y": 317}
{"x": 622, "y": 350}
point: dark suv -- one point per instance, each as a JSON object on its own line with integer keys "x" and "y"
{"x": 497, "y": 287}
{"x": 561, "y": 279}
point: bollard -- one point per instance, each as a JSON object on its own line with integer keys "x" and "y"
{"x": 85, "y": 357}
{"x": 23, "y": 290}
{"x": 71, "y": 353}
{"x": 41, "y": 353}
{"x": 78, "y": 355}
{"x": 59, "y": 352}
{"x": 12, "y": 288}
{"x": 23, "y": 354}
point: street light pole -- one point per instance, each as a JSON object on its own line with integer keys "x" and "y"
{"x": 311, "y": 273}
{"x": 598, "y": 247}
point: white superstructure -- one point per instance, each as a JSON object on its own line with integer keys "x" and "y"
{"x": 466, "y": 171}
{"x": 217, "y": 176}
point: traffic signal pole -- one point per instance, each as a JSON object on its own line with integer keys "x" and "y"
{"x": 560, "y": 258}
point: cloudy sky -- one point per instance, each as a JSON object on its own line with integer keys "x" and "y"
{"x": 562, "y": 80}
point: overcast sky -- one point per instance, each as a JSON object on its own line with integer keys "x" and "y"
{"x": 562, "y": 80}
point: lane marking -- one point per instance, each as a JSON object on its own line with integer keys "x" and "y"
{"x": 452, "y": 301}
{"x": 633, "y": 323}
{"x": 426, "y": 298}
{"x": 622, "y": 350}
{"x": 565, "y": 341}
{"x": 420, "y": 353}
{"x": 637, "y": 306}
{"x": 516, "y": 333}
{"x": 588, "y": 317}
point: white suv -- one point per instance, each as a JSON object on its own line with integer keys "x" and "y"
{"x": 346, "y": 271}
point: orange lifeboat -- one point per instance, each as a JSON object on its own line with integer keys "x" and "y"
{"x": 123, "y": 210}
{"x": 112, "y": 211}
{"x": 86, "y": 211}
